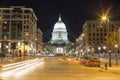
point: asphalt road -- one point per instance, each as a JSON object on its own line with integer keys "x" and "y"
{"x": 54, "y": 68}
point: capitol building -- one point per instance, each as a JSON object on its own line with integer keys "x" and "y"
{"x": 59, "y": 40}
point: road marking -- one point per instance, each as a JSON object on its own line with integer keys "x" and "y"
{"x": 78, "y": 75}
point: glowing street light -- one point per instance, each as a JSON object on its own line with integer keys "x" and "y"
{"x": 83, "y": 40}
{"x": 83, "y": 34}
{"x": 106, "y": 19}
{"x": 104, "y": 47}
{"x": 25, "y": 36}
{"x": 99, "y": 48}
{"x": 116, "y": 46}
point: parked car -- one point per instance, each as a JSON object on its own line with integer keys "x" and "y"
{"x": 93, "y": 62}
{"x": 72, "y": 55}
{"x": 90, "y": 61}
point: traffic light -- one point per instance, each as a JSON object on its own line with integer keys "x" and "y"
{"x": 71, "y": 51}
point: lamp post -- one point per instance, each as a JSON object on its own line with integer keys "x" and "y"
{"x": 83, "y": 35}
{"x": 104, "y": 48}
{"x": 106, "y": 19}
{"x": 18, "y": 47}
{"x": 0, "y": 47}
{"x": 25, "y": 36}
{"x": 99, "y": 48}
{"x": 88, "y": 51}
{"x": 119, "y": 40}
{"x": 83, "y": 41}
{"x": 116, "y": 46}
{"x": 36, "y": 42}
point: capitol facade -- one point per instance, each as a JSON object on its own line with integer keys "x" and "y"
{"x": 59, "y": 38}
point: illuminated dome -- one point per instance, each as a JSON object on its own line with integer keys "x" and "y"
{"x": 59, "y": 38}
{"x": 59, "y": 24}
{"x": 59, "y": 34}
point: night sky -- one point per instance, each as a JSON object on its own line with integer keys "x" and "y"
{"x": 74, "y": 13}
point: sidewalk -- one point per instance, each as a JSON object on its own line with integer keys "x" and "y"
{"x": 113, "y": 68}
{"x": 113, "y": 65}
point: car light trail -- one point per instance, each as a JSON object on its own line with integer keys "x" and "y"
{"x": 8, "y": 65}
{"x": 21, "y": 68}
{"x": 24, "y": 71}
{"x": 18, "y": 65}
{"x": 69, "y": 59}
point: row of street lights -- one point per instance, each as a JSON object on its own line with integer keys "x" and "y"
{"x": 106, "y": 48}
{"x": 105, "y": 18}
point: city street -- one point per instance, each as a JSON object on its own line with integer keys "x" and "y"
{"x": 59, "y": 40}
{"x": 57, "y": 68}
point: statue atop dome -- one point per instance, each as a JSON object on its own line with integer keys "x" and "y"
{"x": 59, "y": 18}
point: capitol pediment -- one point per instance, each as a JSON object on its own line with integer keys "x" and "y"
{"x": 59, "y": 42}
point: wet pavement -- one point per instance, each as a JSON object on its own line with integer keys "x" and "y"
{"x": 54, "y": 68}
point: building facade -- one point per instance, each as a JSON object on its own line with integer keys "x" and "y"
{"x": 39, "y": 42}
{"x": 97, "y": 33}
{"x": 59, "y": 37}
{"x": 79, "y": 44}
{"x": 17, "y": 31}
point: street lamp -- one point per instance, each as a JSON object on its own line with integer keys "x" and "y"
{"x": 83, "y": 41}
{"x": 88, "y": 51}
{"x": 106, "y": 19}
{"x": 19, "y": 52}
{"x": 25, "y": 36}
{"x": 104, "y": 48}
{"x": 99, "y": 48}
{"x": 36, "y": 42}
{"x": 83, "y": 35}
{"x": 0, "y": 47}
{"x": 116, "y": 46}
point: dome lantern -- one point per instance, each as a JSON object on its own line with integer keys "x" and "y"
{"x": 59, "y": 18}
{"x": 59, "y": 24}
